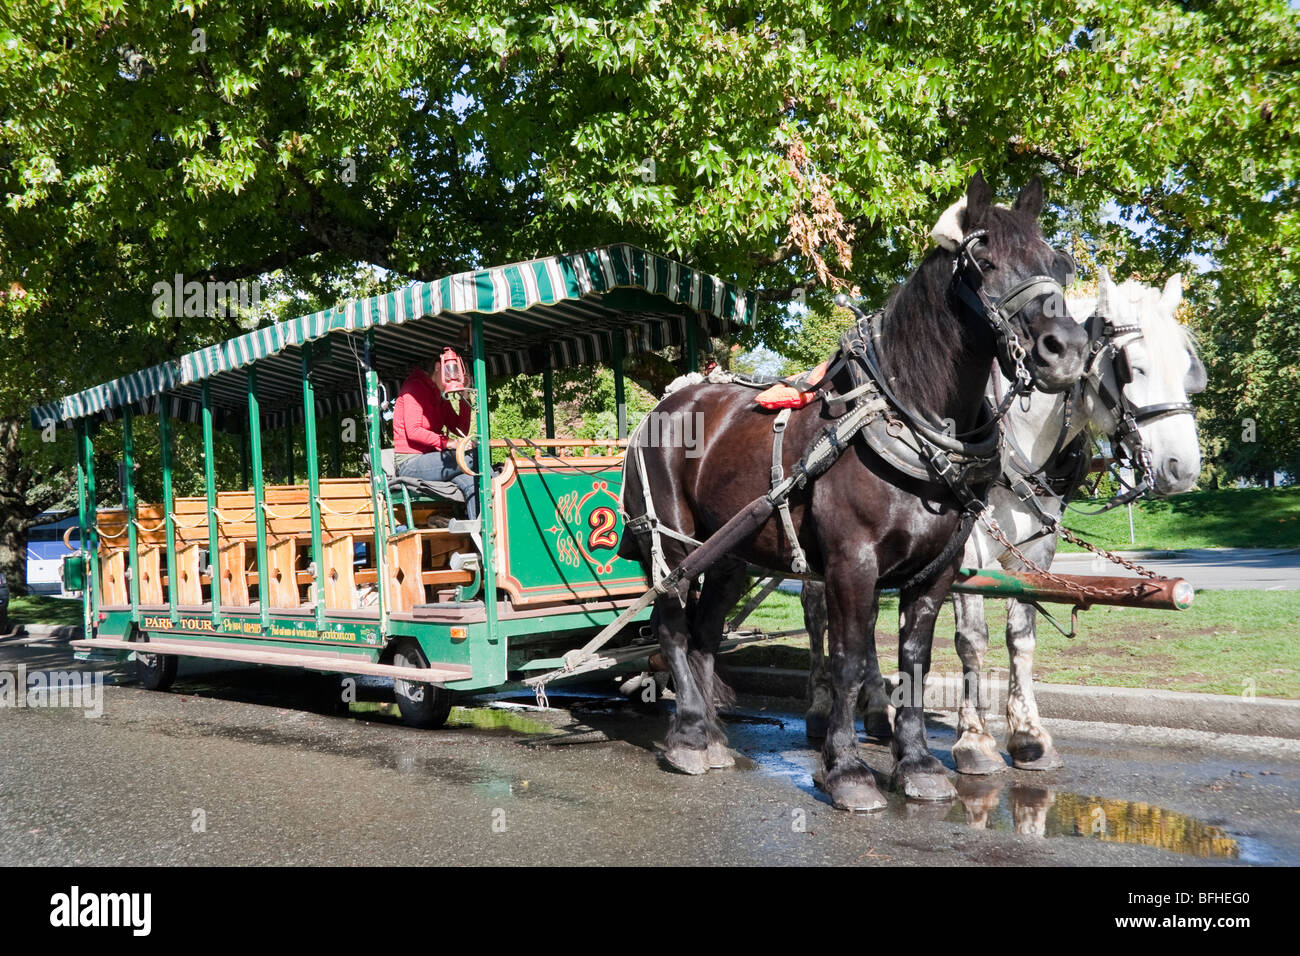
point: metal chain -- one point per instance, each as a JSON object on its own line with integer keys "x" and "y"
{"x": 1084, "y": 591}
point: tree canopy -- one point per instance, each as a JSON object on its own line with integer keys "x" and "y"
{"x": 800, "y": 147}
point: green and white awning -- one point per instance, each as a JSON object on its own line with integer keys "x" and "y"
{"x": 554, "y": 312}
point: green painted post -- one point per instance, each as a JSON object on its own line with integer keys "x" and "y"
{"x": 165, "y": 440}
{"x": 692, "y": 346}
{"x": 93, "y": 504}
{"x": 128, "y": 486}
{"x": 378, "y": 496}
{"x": 336, "y": 446}
{"x": 313, "y": 484}
{"x": 487, "y": 524}
{"x": 259, "y": 491}
{"x": 210, "y": 484}
{"x": 85, "y": 523}
{"x": 548, "y": 394}
{"x": 620, "y": 391}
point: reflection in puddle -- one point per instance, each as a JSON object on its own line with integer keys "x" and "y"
{"x": 1040, "y": 811}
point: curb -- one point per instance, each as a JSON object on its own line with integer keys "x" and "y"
{"x": 1214, "y": 713}
{"x": 53, "y": 632}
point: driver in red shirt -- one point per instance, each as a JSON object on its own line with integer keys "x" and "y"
{"x": 424, "y": 428}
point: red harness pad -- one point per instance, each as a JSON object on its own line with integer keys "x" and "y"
{"x": 782, "y": 395}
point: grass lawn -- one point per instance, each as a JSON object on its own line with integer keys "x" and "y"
{"x": 41, "y": 609}
{"x": 1229, "y": 518}
{"x": 1224, "y": 640}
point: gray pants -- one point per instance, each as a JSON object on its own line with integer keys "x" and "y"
{"x": 441, "y": 466}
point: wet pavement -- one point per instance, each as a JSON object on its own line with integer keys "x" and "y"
{"x": 260, "y": 767}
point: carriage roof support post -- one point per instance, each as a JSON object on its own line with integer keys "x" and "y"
{"x": 259, "y": 498}
{"x": 486, "y": 516}
{"x": 548, "y": 396}
{"x": 210, "y": 484}
{"x": 377, "y": 490}
{"x": 313, "y": 483}
{"x": 692, "y": 355}
{"x": 128, "y": 491}
{"x": 86, "y": 515}
{"x": 620, "y": 385}
{"x": 165, "y": 443}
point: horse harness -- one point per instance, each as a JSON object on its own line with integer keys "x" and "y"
{"x": 1066, "y": 466}
{"x": 903, "y": 439}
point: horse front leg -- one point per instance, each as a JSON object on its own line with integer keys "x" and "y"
{"x": 1028, "y": 742}
{"x": 851, "y": 607}
{"x": 975, "y": 751}
{"x": 917, "y": 772}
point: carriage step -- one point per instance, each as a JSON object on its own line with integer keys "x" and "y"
{"x": 437, "y": 674}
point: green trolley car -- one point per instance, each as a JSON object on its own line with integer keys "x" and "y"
{"x": 356, "y": 574}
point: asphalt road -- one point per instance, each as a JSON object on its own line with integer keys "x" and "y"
{"x": 1215, "y": 569}
{"x": 252, "y": 767}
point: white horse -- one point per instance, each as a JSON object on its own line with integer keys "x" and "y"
{"x": 1149, "y": 359}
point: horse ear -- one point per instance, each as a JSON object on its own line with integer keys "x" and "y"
{"x": 1030, "y": 200}
{"x": 1173, "y": 293}
{"x": 978, "y": 199}
{"x": 1104, "y": 285}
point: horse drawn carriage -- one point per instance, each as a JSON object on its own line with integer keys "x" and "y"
{"x": 357, "y": 574}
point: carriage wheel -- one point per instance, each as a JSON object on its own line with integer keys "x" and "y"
{"x": 421, "y": 705}
{"x": 156, "y": 671}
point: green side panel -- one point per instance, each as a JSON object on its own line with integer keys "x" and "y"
{"x": 74, "y": 572}
{"x": 560, "y": 535}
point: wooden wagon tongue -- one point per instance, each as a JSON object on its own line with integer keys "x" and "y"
{"x": 1083, "y": 591}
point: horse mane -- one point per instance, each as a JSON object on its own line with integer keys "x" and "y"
{"x": 924, "y": 342}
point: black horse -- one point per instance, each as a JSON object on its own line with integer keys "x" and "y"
{"x": 863, "y": 525}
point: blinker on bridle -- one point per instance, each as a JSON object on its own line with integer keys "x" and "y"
{"x": 1002, "y": 311}
{"x": 1112, "y": 341}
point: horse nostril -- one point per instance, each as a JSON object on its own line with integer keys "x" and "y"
{"x": 1175, "y": 469}
{"x": 1052, "y": 345}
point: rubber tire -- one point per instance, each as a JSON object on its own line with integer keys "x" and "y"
{"x": 158, "y": 675}
{"x": 426, "y": 706}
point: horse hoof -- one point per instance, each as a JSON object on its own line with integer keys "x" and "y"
{"x": 878, "y": 725}
{"x": 1047, "y": 759}
{"x": 683, "y": 760}
{"x": 932, "y": 787}
{"x": 816, "y": 725}
{"x": 977, "y": 756}
{"x": 1030, "y": 753}
{"x": 720, "y": 757}
{"x": 856, "y": 796}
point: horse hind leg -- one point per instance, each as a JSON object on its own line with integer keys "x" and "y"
{"x": 817, "y": 718}
{"x": 687, "y": 743}
{"x": 723, "y": 585}
{"x": 873, "y": 700}
{"x": 976, "y": 752}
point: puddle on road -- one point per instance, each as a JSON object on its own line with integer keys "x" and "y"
{"x": 998, "y": 803}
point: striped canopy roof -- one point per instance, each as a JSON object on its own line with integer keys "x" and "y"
{"x": 554, "y": 312}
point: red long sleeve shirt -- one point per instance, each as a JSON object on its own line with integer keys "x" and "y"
{"x": 422, "y": 415}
